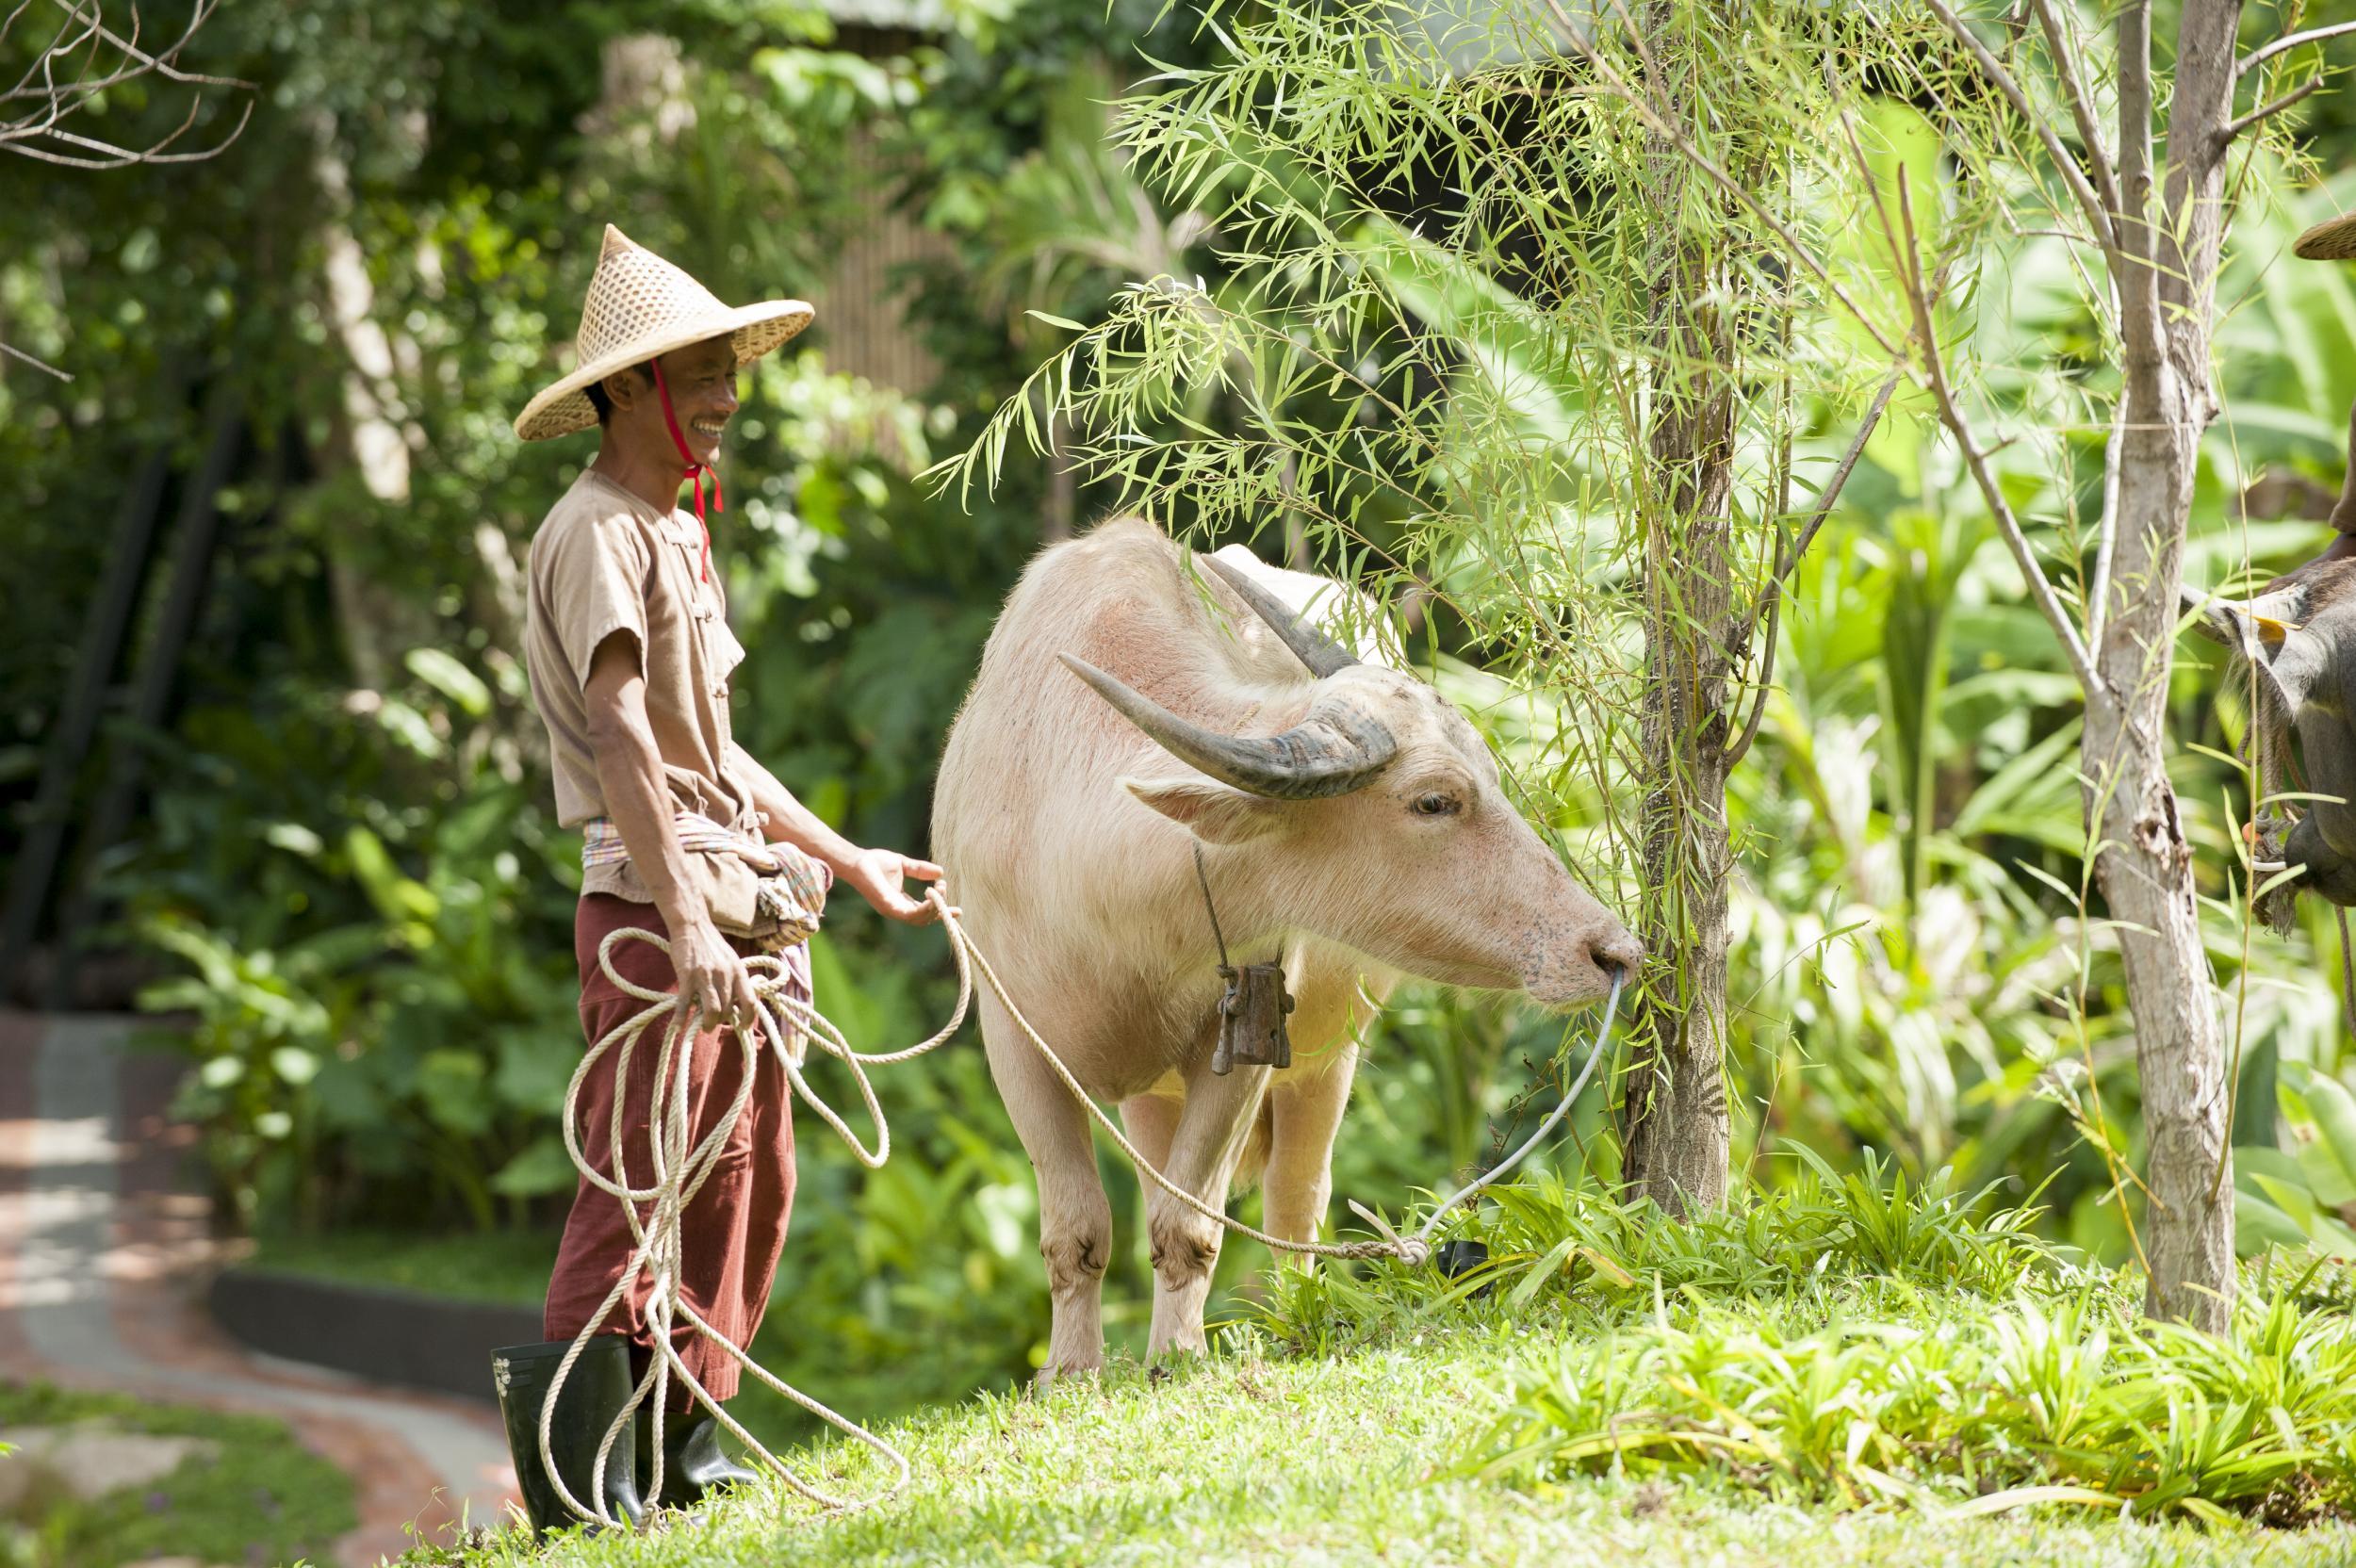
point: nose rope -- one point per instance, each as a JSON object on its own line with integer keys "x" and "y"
{"x": 701, "y": 473}
{"x": 680, "y": 1167}
{"x": 1610, "y": 1011}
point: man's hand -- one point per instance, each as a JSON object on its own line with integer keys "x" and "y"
{"x": 714, "y": 984}
{"x": 877, "y": 876}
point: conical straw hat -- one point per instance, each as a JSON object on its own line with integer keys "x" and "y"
{"x": 2332, "y": 240}
{"x": 641, "y": 306}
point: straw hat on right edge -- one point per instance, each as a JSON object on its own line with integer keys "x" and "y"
{"x": 2333, "y": 239}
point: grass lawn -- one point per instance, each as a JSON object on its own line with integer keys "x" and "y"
{"x": 1841, "y": 1372}
{"x": 259, "y": 1496}
{"x": 1250, "y": 1460}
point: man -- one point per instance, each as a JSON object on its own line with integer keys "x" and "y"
{"x": 686, "y": 836}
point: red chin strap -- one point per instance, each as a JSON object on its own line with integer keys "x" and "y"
{"x": 697, "y": 471}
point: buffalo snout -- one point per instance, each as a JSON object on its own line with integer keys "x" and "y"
{"x": 1617, "y": 949}
{"x": 1576, "y": 965}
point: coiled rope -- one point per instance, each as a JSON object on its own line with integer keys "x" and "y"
{"x": 680, "y": 1173}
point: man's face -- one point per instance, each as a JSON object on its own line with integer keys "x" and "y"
{"x": 702, "y": 379}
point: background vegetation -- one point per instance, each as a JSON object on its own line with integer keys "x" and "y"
{"x": 251, "y": 1492}
{"x": 345, "y": 868}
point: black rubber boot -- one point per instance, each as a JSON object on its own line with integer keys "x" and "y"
{"x": 593, "y": 1394}
{"x": 692, "y": 1462}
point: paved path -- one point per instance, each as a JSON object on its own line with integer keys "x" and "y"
{"x": 103, "y": 1257}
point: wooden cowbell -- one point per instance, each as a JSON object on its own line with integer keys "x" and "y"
{"x": 1251, "y": 1019}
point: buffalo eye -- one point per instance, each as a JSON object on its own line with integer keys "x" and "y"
{"x": 1436, "y": 804}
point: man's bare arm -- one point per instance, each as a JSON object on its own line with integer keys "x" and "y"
{"x": 878, "y": 875}
{"x": 711, "y": 978}
{"x": 786, "y": 820}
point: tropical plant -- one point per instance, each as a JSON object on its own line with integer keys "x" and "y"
{"x": 1978, "y": 1407}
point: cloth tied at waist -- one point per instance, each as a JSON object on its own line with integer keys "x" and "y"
{"x": 789, "y": 888}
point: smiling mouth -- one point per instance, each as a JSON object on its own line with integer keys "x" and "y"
{"x": 708, "y": 429}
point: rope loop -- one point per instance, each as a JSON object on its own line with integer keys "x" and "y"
{"x": 785, "y": 1024}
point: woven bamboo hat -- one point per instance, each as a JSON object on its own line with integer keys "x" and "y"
{"x": 2334, "y": 239}
{"x": 641, "y": 306}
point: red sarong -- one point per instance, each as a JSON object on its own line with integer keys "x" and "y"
{"x": 733, "y": 1231}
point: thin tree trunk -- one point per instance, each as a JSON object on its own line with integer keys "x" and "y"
{"x": 2143, "y": 861}
{"x": 1674, "y": 1122}
{"x": 2144, "y": 867}
{"x": 368, "y": 437}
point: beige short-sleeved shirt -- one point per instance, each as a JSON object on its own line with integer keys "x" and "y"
{"x": 607, "y": 561}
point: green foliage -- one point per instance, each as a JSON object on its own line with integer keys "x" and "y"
{"x": 261, "y": 1496}
{"x": 369, "y": 1042}
{"x": 1979, "y": 1406}
{"x": 499, "y": 1266}
{"x": 1582, "y": 1259}
{"x": 1859, "y": 1340}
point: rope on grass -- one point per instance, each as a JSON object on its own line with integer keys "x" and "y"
{"x": 680, "y": 1173}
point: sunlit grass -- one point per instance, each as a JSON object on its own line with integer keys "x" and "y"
{"x": 1250, "y": 1459}
{"x": 1857, "y": 1371}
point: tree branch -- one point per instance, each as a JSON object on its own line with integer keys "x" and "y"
{"x": 2058, "y": 43}
{"x": 40, "y": 364}
{"x": 2107, "y": 525}
{"x": 2137, "y": 282}
{"x": 1826, "y": 499}
{"x": 1951, "y": 413}
{"x": 2235, "y": 128}
{"x": 1740, "y": 747}
{"x": 2257, "y": 58}
{"x": 2003, "y": 82}
{"x": 54, "y": 89}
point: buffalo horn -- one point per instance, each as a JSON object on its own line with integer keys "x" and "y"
{"x": 1334, "y": 749}
{"x": 1312, "y": 647}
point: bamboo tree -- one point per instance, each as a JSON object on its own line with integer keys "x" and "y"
{"x": 1673, "y": 1126}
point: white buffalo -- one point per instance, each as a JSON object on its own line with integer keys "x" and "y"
{"x": 1352, "y": 827}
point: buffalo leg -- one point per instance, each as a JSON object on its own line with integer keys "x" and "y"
{"x": 1307, "y": 1099}
{"x": 1151, "y": 1122}
{"x": 1075, "y": 1222}
{"x": 1307, "y": 1102}
{"x": 1211, "y": 1128}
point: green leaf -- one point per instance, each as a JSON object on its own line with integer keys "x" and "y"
{"x": 2334, "y": 1110}
{"x": 445, "y": 673}
{"x": 541, "y": 1167}
{"x": 2258, "y": 1225}
{"x": 294, "y": 838}
{"x": 535, "y": 1067}
{"x": 396, "y": 896}
{"x": 294, "y": 1065}
{"x": 450, "y": 1084}
{"x": 2322, "y": 1168}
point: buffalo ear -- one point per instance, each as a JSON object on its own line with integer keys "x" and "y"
{"x": 1208, "y": 809}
